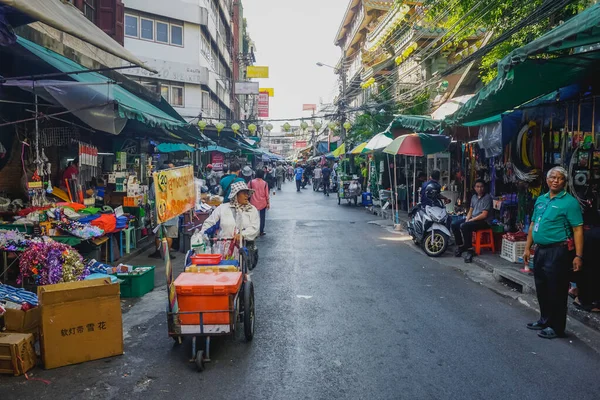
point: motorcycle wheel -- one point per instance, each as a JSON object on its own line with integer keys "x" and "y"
{"x": 435, "y": 243}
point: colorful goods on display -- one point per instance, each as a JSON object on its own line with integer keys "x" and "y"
{"x": 77, "y": 229}
{"x": 51, "y": 262}
{"x": 13, "y": 240}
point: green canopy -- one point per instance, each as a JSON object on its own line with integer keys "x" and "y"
{"x": 415, "y": 123}
{"x": 128, "y": 105}
{"x": 173, "y": 147}
{"x": 215, "y": 148}
{"x": 521, "y": 78}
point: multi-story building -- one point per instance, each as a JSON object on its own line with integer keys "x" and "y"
{"x": 351, "y": 37}
{"x": 403, "y": 46}
{"x": 190, "y": 44}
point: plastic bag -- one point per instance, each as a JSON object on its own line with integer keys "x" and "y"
{"x": 491, "y": 139}
{"x": 197, "y": 242}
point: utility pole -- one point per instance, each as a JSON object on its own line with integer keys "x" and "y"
{"x": 342, "y": 102}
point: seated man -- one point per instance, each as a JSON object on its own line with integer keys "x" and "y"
{"x": 478, "y": 217}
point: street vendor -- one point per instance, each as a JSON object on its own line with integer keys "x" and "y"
{"x": 238, "y": 218}
{"x": 557, "y": 232}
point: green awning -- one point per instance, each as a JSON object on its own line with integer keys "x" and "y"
{"x": 491, "y": 120}
{"x": 581, "y": 30}
{"x": 215, "y": 148}
{"x": 128, "y": 105}
{"x": 524, "y": 82}
{"x": 415, "y": 123}
{"x": 522, "y": 78}
{"x": 173, "y": 147}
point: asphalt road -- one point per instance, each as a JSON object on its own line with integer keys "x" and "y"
{"x": 345, "y": 310}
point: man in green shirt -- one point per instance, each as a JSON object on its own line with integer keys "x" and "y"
{"x": 557, "y": 232}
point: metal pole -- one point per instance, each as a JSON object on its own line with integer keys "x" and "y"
{"x": 395, "y": 191}
{"x": 406, "y": 180}
{"x": 342, "y": 102}
{"x": 415, "y": 175}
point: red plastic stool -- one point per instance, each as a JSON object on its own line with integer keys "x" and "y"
{"x": 484, "y": 239}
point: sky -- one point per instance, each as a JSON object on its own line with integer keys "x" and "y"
{"x": 291, "y": 36}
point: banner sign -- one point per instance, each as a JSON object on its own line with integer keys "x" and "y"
{"x": 271, "y": 91}
{"x": 217, "y": 161}
{"x": 309, "y": 107}
{"x": 241, "y": 87}
{"x": 263, "y": 105}
{"x": 300, "y": 144}
{"x": 257, "y": 72}
{"x": 175, "y": 192}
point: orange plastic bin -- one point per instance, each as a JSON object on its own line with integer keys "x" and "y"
{"x": 198, "y": 292}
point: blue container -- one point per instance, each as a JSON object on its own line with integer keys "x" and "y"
{"x": 367, "y": 199}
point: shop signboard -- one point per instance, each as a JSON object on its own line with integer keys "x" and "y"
{"x": 217, "y": 161}
{"x": 300, "y": 144}
{"x": 271, "y": 91}
{"x": 309, "y": 107}
{"x": 263, "y": 105}
{"x": 257, "y": 72}
{"x": 241, "y": 87}
{"x": 175, "y": 192}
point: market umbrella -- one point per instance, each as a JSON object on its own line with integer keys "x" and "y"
{"x": 339, "y": 151}
{"x": 451, "y": 106}
{"x": 417, "y": 144}
{"x": 379, "y": 141}
{"x": 358, "y": 149}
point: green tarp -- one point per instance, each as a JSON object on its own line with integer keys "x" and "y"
{"x": 415, "y": 123}
{"x": 129, "y": 105}
{"x": 173, "y": 147}
{"x": 215, "y": 148}
{"x": 522, "y": 78}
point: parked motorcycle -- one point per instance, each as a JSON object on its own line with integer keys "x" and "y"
{"x": 429, "y": 227}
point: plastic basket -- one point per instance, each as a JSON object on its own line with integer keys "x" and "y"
{"x": 512, "y": 251}
{"x": 137, "y": 285}
{"x": 206, "y": 259}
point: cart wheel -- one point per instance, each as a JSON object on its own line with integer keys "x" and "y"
{"x": 249, "y": 310}
{"x": 199, "y": 361}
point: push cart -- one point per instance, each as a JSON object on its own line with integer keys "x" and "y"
{"x": 229, "y": 307}
{"x": 350, "y": 190}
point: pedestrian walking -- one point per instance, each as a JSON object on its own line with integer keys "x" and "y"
{"x": 290, "y": 172}
{"x": 247, "y": 174}
{"x": 317, "y": 177}
{"x": 326, "y": 177}
{"x": 211, "y": 179}
{"x": 298, "y": 174}
{"x": 557, "y": 233}
{"x": 279, "y": 175}
{"x": 230, "y": 179}
{"x": 260, "y": 198}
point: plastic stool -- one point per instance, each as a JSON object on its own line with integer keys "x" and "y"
{"x": 480, "y": 243}
{"x": 130, "y": 239}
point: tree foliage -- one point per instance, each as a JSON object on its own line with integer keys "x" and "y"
{"x": 462, "y": 17}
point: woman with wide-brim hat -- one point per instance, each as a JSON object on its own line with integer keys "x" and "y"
{"x": 237, "y": 219}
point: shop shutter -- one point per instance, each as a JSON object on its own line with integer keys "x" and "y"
{"x": 110, "y": 17}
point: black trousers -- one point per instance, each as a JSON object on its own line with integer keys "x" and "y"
{"x": 463, "y": 232}
{"x": 298, "y": 184}
{"x": 263, "y": 216}
{"x": 326, "y": 186}
{"x": 552, "y": 271}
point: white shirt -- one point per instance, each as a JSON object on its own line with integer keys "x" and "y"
{"x": 317, "y": 173}
{"x": 248, "y": 222}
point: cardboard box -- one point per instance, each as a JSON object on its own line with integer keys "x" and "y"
{"x": 81, "y": 321}
{"x": 17, "y": 353}
{"x": 20, "y": 321}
